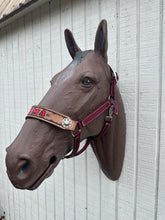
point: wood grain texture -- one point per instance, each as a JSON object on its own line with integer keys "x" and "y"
{"x": 160, "y": 202}
{"x": 127, "y": 67}
{"x": 32, "y": 50}
{"x": 148, "y": 102}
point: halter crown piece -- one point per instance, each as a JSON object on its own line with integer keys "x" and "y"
{"x": 64, "y": 122}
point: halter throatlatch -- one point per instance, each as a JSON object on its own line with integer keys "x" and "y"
{"x": 64, "y": 122}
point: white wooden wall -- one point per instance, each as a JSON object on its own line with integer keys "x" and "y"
{"x": 32, "y": 50}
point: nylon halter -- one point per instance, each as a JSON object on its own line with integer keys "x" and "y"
{"x": 64, "y": 122}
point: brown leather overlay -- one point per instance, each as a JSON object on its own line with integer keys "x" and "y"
{"x": 52, "y": 117}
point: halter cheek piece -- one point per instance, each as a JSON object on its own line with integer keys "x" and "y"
{"x": 64, "y": 122}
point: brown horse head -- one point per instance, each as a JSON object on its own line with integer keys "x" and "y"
{"x": 76, "y": 91}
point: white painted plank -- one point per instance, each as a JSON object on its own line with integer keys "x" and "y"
{"x": 46, "y": 50}
{"x": 37, "y": 55}
{"x": 148, "y": 99}
{"x": 29, "y": 61}
{"x": 1, "y": 127}
{"x": 2, "y": 115}
{"x": 22, "y": 69}
{"x": 127, "y": 67}
{"x": 55, "y": 17}
{"x": 161, "y": 176}
{"x": 28, "y": 206}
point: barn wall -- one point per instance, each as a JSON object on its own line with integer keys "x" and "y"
{"x": 32, "y": 50}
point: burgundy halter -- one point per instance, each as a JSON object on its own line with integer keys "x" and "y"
{"x": 64, "y": 122}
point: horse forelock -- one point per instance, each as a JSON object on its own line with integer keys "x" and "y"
{"x": 80, "y": 56}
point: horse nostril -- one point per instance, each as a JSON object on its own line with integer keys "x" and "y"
{"x": 25, "y": 166}
{"x": 52, "y": 160}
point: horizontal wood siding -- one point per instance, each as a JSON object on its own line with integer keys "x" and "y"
{"x": 32, "y": 50}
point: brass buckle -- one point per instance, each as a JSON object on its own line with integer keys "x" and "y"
{"x": 110, "y": 112}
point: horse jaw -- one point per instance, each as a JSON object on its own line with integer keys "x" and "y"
{"x": 110, "y": 148}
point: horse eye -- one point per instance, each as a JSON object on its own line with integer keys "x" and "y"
{"x": 86, "y": 81}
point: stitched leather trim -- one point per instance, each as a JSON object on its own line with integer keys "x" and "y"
{"x": 52, "y": 117}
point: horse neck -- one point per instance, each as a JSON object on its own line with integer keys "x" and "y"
{"x": 110, "y": 148}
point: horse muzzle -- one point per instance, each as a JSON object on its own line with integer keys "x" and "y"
{"x": 26, "y": 173}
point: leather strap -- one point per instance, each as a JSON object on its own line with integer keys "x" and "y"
{"x": 95, "y": 114}
{"x": 52, "y": 117}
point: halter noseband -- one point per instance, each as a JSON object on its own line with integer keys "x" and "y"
{"x": 64, "y": 122}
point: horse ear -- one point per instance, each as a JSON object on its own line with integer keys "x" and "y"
{"x": 71, "y": 43}
{"x": 101, "y": 43}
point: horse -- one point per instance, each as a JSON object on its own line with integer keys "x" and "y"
{"x": 83, "y": 102}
